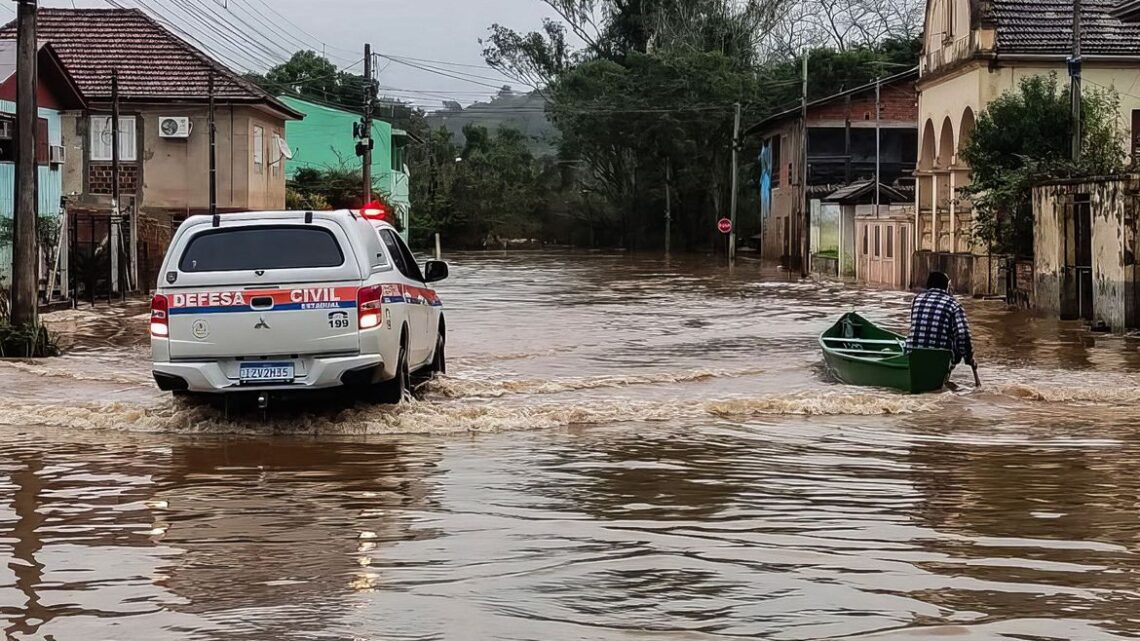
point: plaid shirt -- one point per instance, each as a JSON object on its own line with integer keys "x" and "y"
{"x": 937, "y": 320}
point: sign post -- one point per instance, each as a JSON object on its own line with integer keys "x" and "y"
{"x": 724, "y": 226}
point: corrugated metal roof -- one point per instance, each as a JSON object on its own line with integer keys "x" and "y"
{"x": 153, "y": 63}
{"x": 1046, "y": 27}
{"x": 860, "y": 188}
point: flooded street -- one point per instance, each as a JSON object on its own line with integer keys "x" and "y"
{"x": 625, "y": 449}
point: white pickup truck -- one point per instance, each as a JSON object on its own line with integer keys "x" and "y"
{"x": 268, "y": 302}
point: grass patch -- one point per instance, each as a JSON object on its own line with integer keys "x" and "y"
{"x": 27, "y": 341}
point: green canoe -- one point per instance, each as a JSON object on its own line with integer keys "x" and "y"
{"x": 858, "y": 352}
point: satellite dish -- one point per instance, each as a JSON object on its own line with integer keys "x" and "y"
{"x": 286, "y": 152}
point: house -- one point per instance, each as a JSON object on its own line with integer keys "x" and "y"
{"x": 164, "y": 135}
{"x": 1085, "y": 250}
{"x": 56, "y": 93}
{"x": 973, "y": 52}
{"x": 324, "y": 140}
{"x": 841, "y": 149}
{"x": 871, "y": 244}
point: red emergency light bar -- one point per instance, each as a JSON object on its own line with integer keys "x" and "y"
{"x": 376, "y": 210}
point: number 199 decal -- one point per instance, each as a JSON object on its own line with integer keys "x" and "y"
{"x": 338, "y": 320}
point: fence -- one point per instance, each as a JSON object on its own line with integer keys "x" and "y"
{"x": 93, "y": 272}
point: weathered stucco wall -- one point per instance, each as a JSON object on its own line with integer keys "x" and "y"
{"x": 1048, "y": 249}
{"x": 1112, "y": 245}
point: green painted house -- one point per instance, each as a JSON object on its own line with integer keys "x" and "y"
{"x": 324, "y": 140}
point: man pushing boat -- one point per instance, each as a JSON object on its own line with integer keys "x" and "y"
{"x": 937, "y": 321}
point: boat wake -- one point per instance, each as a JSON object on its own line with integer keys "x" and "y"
{"x": 1116, "y": 395}
{"x": 428, "y": 417}
{"x": 484, "y": 387}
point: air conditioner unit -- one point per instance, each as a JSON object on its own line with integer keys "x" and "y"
{"x": 57, "y": 154}
{"x": 174, "y": 127}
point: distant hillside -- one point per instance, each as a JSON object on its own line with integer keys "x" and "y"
{"x": 525, "y": 112}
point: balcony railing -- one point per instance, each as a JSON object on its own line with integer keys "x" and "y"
{"x": 951, "y": 52}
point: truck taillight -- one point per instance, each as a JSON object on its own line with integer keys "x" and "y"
{"x": 368, "y": 311}
{"x": 159, "y": 316}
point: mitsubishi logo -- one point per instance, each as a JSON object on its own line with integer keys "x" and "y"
{"x": 261, "y": 324}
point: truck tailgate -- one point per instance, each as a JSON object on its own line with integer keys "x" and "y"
{"x": 224, "y": 322}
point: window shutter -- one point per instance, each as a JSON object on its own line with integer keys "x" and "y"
{"x": 128, "y": 148}
{"x": 41, "y": 141}
{"x": 100, "y": 147}
{"x": 102, "y": 137}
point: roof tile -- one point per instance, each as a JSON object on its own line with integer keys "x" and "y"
{"x": 153, "y": 63}
{"x": 1046, "y": 27}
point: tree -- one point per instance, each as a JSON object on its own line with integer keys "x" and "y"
{"x": 1024, "y": 136}
{"x": 491, "y": 187}
{"x": 656, "y": 82}
{"x": 311, "y": 75}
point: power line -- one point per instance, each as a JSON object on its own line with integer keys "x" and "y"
{"x": 440, "y": 73}
{"x": 227, "y": 31}
{"x": 316, "y": 39}
{"x": 233, "y": 53}
{"x": 270, "y": 46}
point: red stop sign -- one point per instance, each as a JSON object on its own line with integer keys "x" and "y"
{"x": 724, "y": 225}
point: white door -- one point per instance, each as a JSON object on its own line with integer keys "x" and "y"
{"x": 416, "y": 301}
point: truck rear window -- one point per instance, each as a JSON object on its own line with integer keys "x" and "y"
{"x": 255, "y": 248}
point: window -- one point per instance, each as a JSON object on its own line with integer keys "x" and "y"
{"x": 1135, "y": 135}
{"x": 399, "y": 152}
{"x": 43, "y": 151}
{"x": 775, "y": 142}
{"x": 890, "y": 241}
{"x": 7, "y": 139}
{"x": 102, "y": 137}
{"x": 401, "y": 255}
{"x": 865, "y": 250}
{"x": 275, "y": 158}
{"x": 258, "y": 149}
{"x": 261, "y": 247}
{"x": 878, "y": 246}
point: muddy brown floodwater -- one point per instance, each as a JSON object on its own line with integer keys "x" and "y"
{"x": 626, "y": 449}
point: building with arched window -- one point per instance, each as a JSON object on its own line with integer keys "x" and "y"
{"x": 973, "y": 52}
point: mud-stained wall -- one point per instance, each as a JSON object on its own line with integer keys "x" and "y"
{"x": 1048, "y": 248}
{"x": 1113, "y": 230}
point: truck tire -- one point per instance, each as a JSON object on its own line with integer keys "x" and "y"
{"x": 392, "y": 392}
{"x": 439, "y": 361}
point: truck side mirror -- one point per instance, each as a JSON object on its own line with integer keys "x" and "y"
{"x": 435, "y": 271}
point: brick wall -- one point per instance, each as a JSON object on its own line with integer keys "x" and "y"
{"x": 899, "y": 102}
{"x": 99, "y": 179}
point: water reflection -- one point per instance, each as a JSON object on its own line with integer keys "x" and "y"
{"x": 679, "y": 468}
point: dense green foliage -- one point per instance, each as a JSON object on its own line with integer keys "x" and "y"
{"x": 490, "y": 188}
{"x": 1025, "y": 136}
{"x": 311, "y": 75}
{"x": 656, "y": 86}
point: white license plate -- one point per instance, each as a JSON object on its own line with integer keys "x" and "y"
{"x": 265, "y": 372}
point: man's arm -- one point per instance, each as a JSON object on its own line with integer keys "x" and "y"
{"x": 962, "y": 335}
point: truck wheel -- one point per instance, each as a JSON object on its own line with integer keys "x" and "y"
{"x": 439, "y": 361}
{"x": 392, "y": 392}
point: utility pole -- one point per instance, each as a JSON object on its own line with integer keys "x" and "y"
{"x": 668, "y": 202}
{"x": 878, "y": 139}
{"x": 805, "y": 214}
{"x": 367, "y": 138}
{"x": 735, "y": 177}
{"x": 1075, "y": 78}
{"x": 116, "y": 212}
{"x": 213, "y": 150}
{"x": 24, "y": 272}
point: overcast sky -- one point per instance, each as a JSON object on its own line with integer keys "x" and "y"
{"x": 442, "y": 30}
